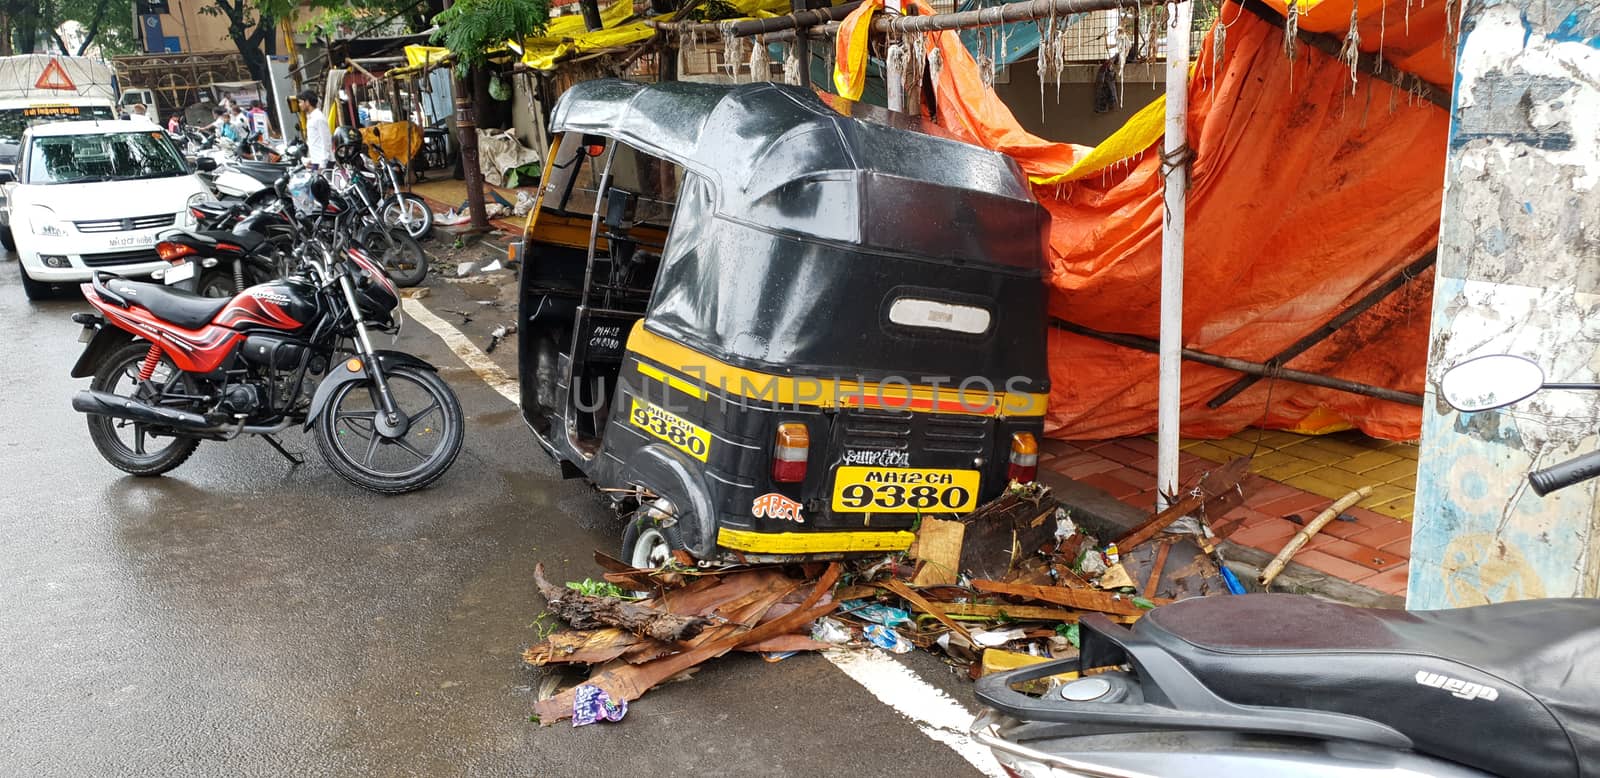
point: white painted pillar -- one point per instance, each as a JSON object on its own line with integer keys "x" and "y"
{"x": 1519, "y": 244}
{"x": 1177, "y": 187}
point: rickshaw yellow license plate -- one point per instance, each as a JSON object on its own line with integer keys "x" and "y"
{"x": 684, "y": 435}
{"x": 904, "y": 490}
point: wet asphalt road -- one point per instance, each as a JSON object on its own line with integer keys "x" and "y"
{"x": 242, "y": 617}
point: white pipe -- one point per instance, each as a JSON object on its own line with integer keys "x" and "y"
{"x": 1168, "y": 393}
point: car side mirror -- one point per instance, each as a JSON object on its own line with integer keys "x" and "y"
{"x": 7, "y": 176}
{"x": 1490, "y": 382}
{"x": 205, "y": 164}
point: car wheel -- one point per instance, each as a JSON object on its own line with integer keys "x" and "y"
{"x": 35, "y": 290}
{"x": 650, "y": 540}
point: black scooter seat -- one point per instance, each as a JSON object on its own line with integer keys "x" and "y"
{"x": 1510, "y": 688}
{"x": 265, "y": 172}
{"x": 184, "y": 309}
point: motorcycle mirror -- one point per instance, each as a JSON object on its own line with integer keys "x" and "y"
{"x": 1494, "y": 381}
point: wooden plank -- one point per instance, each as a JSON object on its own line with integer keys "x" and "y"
{"x": 1085, "y": 599}
{"x": 1016, "y": 612}
{"x": 898, "y": 587}
{"x": 1213, "y": 489}
{"x": 939, "y": 548}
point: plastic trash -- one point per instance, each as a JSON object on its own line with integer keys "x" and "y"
{"x": 877, "y": 613}
{"x": 592, "y": 704}
{"x": 994, "y": 638}
{"x": 887, "y": 639}
{"x": 830, "y": 631}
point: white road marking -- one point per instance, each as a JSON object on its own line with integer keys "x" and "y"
{"x": 937, "y": 714}
{"x": 464, "y": 349}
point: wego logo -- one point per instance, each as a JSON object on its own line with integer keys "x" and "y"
{"x": 1457, "y": 687}
{"x": 776, "y": 506}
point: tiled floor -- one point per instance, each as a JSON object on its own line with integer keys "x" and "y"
{"x": 1327, "y": 465}
{"x": 1373, "y": 550}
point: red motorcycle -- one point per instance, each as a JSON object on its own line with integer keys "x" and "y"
{"x": 171, "y": 369}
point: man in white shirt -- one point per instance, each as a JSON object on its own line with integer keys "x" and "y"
{"x": 319, "y": 139}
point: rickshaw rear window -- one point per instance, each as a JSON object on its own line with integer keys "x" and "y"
{"x": 574, "y": 181}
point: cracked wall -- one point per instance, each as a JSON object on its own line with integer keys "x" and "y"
{"x": 1518, "y": 273}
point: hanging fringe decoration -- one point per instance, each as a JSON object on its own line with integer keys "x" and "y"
{"x": 760, "y": 62}
{"x": 791, "y": 64}
{"x": 732, "y": 50}
{"x": 1291, "y": 30}
{"x": 1219, "y": 46}
{"x": 1351, "y": 51}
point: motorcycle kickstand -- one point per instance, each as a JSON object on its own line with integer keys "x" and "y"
{"x": 294, "y": 459}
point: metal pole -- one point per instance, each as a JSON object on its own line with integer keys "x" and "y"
{"x": 1175, "y": 170}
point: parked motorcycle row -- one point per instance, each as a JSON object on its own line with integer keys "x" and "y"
{"x": 264, "y": 322}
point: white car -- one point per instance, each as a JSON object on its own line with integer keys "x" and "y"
{"x": 93, "y": 195}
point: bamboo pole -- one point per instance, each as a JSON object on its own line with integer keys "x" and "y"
{"x": 1246, "y": 366}
{"x": 1175, "y": 186}
{"x": 1305, "y": 534}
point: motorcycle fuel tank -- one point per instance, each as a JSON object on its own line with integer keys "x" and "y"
{"x": 285, "y": 305}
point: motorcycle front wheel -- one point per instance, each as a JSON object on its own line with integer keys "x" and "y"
{"x": 351, "y": 444}
{"x": 409, "y": 211}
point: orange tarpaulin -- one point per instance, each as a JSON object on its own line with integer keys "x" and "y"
{"x": 1304, "y": 197}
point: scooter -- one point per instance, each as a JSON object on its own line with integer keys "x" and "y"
{"x": 1260, "y": 685}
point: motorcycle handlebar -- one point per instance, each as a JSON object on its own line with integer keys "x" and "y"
{"x": 1565, "y": 474}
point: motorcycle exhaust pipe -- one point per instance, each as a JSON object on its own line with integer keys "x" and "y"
{"x": 107, "y": 404}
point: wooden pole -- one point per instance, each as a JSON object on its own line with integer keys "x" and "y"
{"x": 1305, "y": 534}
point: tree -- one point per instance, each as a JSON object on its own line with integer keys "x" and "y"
{"x": 470, "y": 29}
{"x": 253, "y": 28}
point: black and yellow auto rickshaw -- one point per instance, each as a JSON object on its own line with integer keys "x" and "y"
{"x": 774, "y": 329}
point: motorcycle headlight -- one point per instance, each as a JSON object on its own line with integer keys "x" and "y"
{"x": 44, "y": 222}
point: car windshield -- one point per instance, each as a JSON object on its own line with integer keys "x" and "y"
{"x": 76, "y": 159}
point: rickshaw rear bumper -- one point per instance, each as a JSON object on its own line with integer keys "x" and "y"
{"x": 813, "y": 543}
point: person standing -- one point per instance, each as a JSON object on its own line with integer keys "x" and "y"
{"x": 319, "y": 139}
{"x": 260, "y": 128}
{"x": 175, "y": 124}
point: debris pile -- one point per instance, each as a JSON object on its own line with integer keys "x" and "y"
{"x": 633, "y": 645}
{"x": 999, "y": 588}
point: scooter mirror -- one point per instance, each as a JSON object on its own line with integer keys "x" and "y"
{"x": 1494, "y": 381}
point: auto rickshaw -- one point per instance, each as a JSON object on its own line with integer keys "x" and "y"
{"x": 770, "y": 330}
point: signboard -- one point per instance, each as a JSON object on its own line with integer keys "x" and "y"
{"x": 52, "y": 111}
{"x": 54, "y": 77}
{"x": 151, "y": 29}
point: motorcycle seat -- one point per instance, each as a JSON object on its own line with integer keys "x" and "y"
{"x": 209, "y": 240}
{"x": 265, "y": 172}
{"x": 1508, "y": 688}
{"x": 184, "y": 309}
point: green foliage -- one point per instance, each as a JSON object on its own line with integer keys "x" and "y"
{"x": 470, "y": 29}
{"x": 594, "y": 588}
{"x": 525, "y": 175}
{"x": 1143, "y": 603}
{"x": 1070, "y": 632}
{"x": 714, "y": 11}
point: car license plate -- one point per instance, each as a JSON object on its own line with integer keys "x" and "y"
{"x": 904, "y": 490}
{"x": 178, "y": 273}
{"x": 666, "y": 425}
{"x": 88, "y": 333}
{"x": 132, "y": 240}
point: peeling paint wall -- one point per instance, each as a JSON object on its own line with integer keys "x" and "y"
{"x": 1519, "y": 273}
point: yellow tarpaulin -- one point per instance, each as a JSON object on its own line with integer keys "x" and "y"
{"x": 394, "y": 140}
{"x": 619, "y": 26}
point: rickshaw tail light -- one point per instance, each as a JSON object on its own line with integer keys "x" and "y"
{"x": 1024, "y": 458}
{"x": 790, "y": 450}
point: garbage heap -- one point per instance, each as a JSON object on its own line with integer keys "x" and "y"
{"x": 1001, "y": 587}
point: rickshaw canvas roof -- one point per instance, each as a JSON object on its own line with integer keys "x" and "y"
{"x": 772, "y": 150}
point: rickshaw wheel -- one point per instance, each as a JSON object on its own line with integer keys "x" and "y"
{"x": 645, "y": 544}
